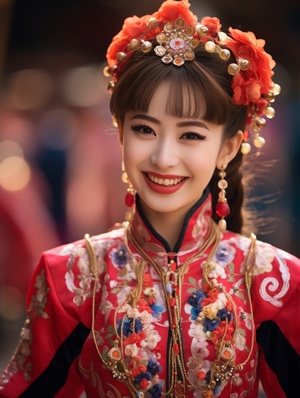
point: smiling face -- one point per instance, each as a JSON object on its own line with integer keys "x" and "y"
{"x": 170, "y": 160}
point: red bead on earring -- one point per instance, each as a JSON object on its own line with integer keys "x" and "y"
{"x": 222, "y": 208}
{"x": 129, "y": 198}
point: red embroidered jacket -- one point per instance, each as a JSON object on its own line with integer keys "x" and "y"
{"x": 57, "y": 356}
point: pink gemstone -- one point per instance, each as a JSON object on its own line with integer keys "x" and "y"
{"x": 222, "y": 209}
{"x": 129, "y": 199}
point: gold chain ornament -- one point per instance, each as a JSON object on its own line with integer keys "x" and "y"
{"x": 223, "y": 366}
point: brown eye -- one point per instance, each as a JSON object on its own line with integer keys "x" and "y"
{"x": 143, "y": 129}
{"x": 193, "y": 136}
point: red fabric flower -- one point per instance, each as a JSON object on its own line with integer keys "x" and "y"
{"x": 213, "y": 25}
{"x": 212, "y": 296}
{"x": 261, "y": 106}
{"x": 144, "y": 384}
{"x": 133, "y": 28}
{"x": 201, "y": 375}
{"x": 250, "y": 84}
{"x": 147, "y": 280}
{"x": 136, "y": 27}
{"x": 138, "y": 369}
{"x": 143, "y": 306}
{"x": 170, "y": 10}
{"x": 134, "y": 338}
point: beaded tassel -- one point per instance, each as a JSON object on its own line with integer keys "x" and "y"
{"x": 129, "y": 198}
{"x": 222, "y": 208}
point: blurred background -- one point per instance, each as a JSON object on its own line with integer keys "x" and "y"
{"x": 60, "y": 159}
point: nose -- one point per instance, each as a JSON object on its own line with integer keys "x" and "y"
{"x": 165, "y": 154}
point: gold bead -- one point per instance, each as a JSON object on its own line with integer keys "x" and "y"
{"x": 201, "y": 29}
{"x": 133, "y": 45}
{"x": 210, "y": 46}
{"x": 146, "y": 46}
{"x": 233, "y": 69}
{"x": 222, "y": 224}
{"x": 270, "y": 97}
{"x": 222, "y": 184}
{"x": 110, "y": 86}
{"x": 260, "y": 122}
{"x": 124, "y": 177}
{"x": 245, "y": 148}
{"x": 224, "y": 54}
{"x": 259, "y": 142}
{"x": 152, "y": 23}
{"x": 120, "y": 56}
{"x": 276, "y": 89}
{"x": 270, "y": 112}
{"x": 222, "y": 37}
{"x": 222, "y": 195}
{"x": 244, "y": 64}
{"x": 107, "y": 71}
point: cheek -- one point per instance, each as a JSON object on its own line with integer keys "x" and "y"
{"x": 204, "y": 160}
{"x": 132, "y": 152}
{"x": 135, "y": 149}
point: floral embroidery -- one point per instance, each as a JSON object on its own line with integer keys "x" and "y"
{"x": 225, "y": 254}
{"x": 39, "y": 300}
{"x": 122, "y": 262}
{"x": 211, "y": 313}
{"x": 36, "y": 308}
{"x": 142, "y": 324}
{"x": 82, "y": 291}
{"x": 140, "y": 339}
{"x": 264, "y": 258}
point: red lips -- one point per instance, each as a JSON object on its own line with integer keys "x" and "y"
{"x": 164, "y": 189}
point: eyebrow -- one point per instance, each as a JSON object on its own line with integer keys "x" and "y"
{"x": 186, "y": 123}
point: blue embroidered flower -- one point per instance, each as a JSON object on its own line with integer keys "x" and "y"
{"x": 128, "y": 325}
{"x": 196, "y": 298}
{"x": 195, "y": 313}
{"x": 218, "y": 383}
{"x": 153, "y": 367}
{"x": 225, "y": 254}
{"x": 119, "y": 256}
{"x": 141, "y": 376}
{"x": 223, "y": 314}
{"x": 195, "y": 301}
{"x": 157, "y": 309}
{"x": 210, "y": 324}
{"x": 155, "y": 391}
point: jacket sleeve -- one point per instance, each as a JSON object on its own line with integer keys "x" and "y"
{"x": 45, "y": 361}
{"x": 276, "y": 297}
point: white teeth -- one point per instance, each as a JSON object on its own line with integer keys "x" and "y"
{"x": 167, "y": 182}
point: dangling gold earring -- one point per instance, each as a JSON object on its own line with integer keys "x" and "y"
{"x": 129, "y": 198}
{"x": 222, "y": 208}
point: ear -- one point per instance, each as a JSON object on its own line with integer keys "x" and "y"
{"x": 229, "y": 149}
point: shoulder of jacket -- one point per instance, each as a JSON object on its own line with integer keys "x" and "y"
{"x": 76, "y": 248}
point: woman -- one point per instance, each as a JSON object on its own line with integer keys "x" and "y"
{"x": 169, "y": 303}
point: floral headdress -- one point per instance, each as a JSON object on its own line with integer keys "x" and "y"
{"x": 177, "y": 32}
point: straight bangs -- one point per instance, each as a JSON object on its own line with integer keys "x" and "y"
{"x": 193, "y": 91}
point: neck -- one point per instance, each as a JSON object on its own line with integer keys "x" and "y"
{"x": 170, "y": 225}
{"x": 167, "y": 225}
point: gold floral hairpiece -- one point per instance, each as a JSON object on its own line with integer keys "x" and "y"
{"x": 177, "y": 33}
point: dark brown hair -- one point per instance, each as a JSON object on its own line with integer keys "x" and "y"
{"x": 206, "y": 78}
